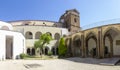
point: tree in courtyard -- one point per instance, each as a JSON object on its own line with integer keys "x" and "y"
{"x": 62, "y": 49}
{"x": 44, "y": 39}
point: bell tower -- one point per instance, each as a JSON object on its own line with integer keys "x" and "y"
{"x": 71, "y": 20}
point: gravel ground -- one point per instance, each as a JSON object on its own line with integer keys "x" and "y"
{"x": 56, "y": 64}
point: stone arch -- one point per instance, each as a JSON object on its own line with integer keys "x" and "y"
{"x": 46, "y": 50}
{"x": 77, "y": 37}
{"x": 28, "y": 51}
{"x": 5, "y": 28}
{"x": 53, "y": 51}
{"x": 49, "y": 33}
{"x": 109, "y": 34}
{"x": 57, "y": 36}
{"x": 67, "y": 42}
{"x": 77, "y": 45}
{"x": 91, "y": 45}
{"x": 33, "y": 51}
{"x": 90, "y": 32}
{"x": 109, "y": 28}
{"x": 57, "y": 51}
{"x": 37, "y": 35}
{"x": 28, "y": 35}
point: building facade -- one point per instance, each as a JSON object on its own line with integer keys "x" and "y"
{"x": 12, "y": 43}
{"x": 97, "y": 42}
{"x": 32, "y": 29}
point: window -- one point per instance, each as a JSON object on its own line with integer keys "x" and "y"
{"x": 57, "y": 36}
{"x": 37, "y": 35}
{"x": 5, "y": 28}
{"x": 75, "y": 20}
{"x": 28, "y": 35}
{"x": 26, "y": 24}
{"x": 69, "y": 29}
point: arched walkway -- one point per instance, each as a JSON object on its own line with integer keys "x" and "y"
{"x": 33, "y": 51}
{"x": 28, "y": 51}
{"x": 91, "y": 45}
{"x": 77, "y": 46}
{"x": 68, "y": 44}
{"x": 53, "y": 51}
{"x": 110, "y": 36}
{"x": 116, "y": 45}
{"x": 46, "y": 50}
{"x": 108, "y": 45}
{"x": 57, "y": 51}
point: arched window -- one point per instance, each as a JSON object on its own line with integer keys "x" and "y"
{"x": 75, "y": 20}
{"x": 28, "y": 35}
{"x": 37, "y": 35}
{"x": 57, "y": 36}
{"x": 5, "y": 28}
{"x": 28, "y": 51}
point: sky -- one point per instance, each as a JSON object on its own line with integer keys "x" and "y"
{"x": 91, "y": 11}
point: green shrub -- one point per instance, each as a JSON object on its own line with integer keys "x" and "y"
{"x": 62, "y": 49}
{"x": 22, "y": 55}
{"x": 49, "y": 53}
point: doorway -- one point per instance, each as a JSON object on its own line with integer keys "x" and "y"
{"x": 9, "y": 47}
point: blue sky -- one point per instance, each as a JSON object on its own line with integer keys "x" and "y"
{"x": 91, "y": 11}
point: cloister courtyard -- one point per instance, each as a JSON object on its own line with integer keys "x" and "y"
{"x": 58, "y": 64}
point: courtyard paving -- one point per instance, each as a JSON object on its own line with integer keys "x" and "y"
{"x": 56, "y": 64}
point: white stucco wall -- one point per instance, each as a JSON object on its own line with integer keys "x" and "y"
{"x": 116, "y": 48}
{"x": 42, "y": 29}
{"x": 2, "y": 46}
{"x": 18, "y": 44}
{"x": 6, "y": 24}
{"x": 64, "y": 31}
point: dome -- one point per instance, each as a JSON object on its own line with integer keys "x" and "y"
{"x": 5, "y": 26}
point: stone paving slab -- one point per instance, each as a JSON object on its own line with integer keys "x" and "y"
{"x": 105, "y": 61}
{"x": 56, "y": 64}
{"x": 111, "y": 61}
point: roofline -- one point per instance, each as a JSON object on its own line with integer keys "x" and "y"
{"x": 100, "y": 26}
{"x": 32, "y": 20}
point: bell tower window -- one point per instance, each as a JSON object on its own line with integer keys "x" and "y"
{"x": 75, "y": 20}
